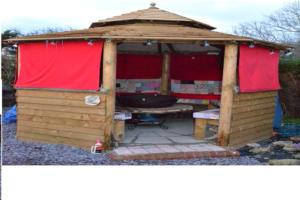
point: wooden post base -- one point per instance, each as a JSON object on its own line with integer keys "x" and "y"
{"x": 119, "y": 130}
{"x": 200, "y": 127}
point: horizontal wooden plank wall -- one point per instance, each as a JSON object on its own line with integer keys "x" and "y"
{"x": 252, "y": 117}
{"x": 60, "y": 117}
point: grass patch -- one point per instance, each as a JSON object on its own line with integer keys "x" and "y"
{"x": 289, "y": 65}
{"x": 291, "y": 120}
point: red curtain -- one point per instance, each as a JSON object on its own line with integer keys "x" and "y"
{"x": 62, "y": 65}
{"x": 196, "y": 67}
{"x": 199, "y": 66}
{"x": 130, "y": 66}
{"x": 258, "y": 69}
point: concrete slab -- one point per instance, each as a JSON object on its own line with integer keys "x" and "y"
{"x": 183, "y": 148}
{"x": 152, "y": 140}
{"x": 122, "y": 151}
{"x": 205, "y": 147}
{"x": 149, "y": 134}
{"x": 180, "y": 131}
{"x": 168, "y": 148}
{"x": 137, "y": 150}
{"x": 183, "y": 139}
{"x": 167, "y": 134}
{"x": 211, "y": 147}
{"x": 158, "y": 152}
{"x": 128, "y": 140}
{"x": 152, "y": 149}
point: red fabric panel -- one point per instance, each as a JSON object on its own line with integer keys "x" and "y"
{"x": 132, "y": 93}
{"x": 196, "y": 67}
{"x": 64, "y": 65}
{"x": 130, "y": 66}
{"x": 258, "y": 69}
{"x": 197, "y": 96}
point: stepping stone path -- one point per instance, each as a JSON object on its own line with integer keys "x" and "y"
{"x": 161, "y": 152}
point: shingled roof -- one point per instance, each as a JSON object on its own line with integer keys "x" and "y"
{"x": 152, "y": 14}
{"x": 149, "y": 24}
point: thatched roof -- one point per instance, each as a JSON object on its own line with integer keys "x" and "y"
{"x": 149, "y": 24}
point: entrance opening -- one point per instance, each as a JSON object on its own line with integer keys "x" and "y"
{"x": 163, "y": 87}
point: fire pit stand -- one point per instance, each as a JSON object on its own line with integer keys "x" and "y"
{"x": 153, "y": 116}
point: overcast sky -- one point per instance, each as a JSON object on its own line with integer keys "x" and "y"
{"x": 30, "y": 15}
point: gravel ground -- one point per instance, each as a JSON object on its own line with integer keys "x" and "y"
{"x": 32, "y": 153}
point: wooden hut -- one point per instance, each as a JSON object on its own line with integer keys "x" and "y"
{"x": 66, "y": 83}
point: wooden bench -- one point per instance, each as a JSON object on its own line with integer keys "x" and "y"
{"x": 119, "y": 124}
{"x": 204, "y": 118}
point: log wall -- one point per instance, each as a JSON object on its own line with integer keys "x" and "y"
{"x": 252, "y": 117}
{"x": 60, "y": 117}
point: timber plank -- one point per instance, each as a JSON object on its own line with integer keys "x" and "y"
{"x": 250, "y": 131}
{"x": 241, "y": 143}
{"x": 46, "y": 113}
{"x": 251, "y": 125}
{"x": 87, "y": 110}
{"x": 58, "y": 133}
{"x": 250, "y": 96}
{"x": 62, "y": 121}
{"x": 61, "y": 102}
{"x": 253, "y": 113}
{"x": 252, "y": 137}
{"x": 253, "y": 107}
{"x": 228, "y": 83}
{"x": 253, "y": 102}
{"x": 84, "y": 130}
{"x": 58, "y": 94}
{"x": 253, "y": 119}
{"x": 54, "y": 140}
{"x": 109, "y": 83}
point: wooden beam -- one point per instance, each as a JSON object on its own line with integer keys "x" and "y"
{"x": 159, "y": 49}
{"x": 18, "y": 64}
{"x": 164, "y": 87}
{"x": 228, "y": 83}
{"x": 199, "y": 128}
{"x": 109, "y": 84}
{"x": 170, "y": 46}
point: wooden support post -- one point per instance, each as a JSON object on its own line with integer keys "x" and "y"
{"x": 228, "y": 84}
{"x": 18, "y": 65}
{"x": 119, "y": 129}
{"x": 200, "y": 128}
{"x": 164, "y": 87}
{"x": 109, "y": 84}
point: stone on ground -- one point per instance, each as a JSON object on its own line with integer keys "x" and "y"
{"x": 282, "y": 143}
{"x": 295, "y": 139}
{"x": 260, "y": 150}
{"x": 284, "y": 162}
{"x": 297, "y": 156}
{"x": 292, "y": 148}
{"x": 253, "y": 145}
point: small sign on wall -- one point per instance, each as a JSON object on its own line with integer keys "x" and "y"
{"x": 92, "y": 100}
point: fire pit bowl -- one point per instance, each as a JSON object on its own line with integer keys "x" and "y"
{"x": 145, "y": 100}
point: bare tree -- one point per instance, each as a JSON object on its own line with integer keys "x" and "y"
{"x": 49, "y": 30}
{"x": 281, "y": 26}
